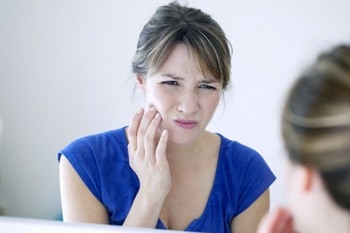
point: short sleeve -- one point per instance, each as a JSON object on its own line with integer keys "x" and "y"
{"x": 244, "y": 175}
{"x": 82, "y": 157}
{"x": 256, "y": 179}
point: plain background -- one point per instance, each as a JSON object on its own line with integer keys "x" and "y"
{"x": 65, "y": 73}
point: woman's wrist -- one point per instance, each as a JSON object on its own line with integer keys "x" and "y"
{"x": 145, "y": 209}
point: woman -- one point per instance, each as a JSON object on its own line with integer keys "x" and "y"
{"x": 165, "y": 170}
{"x": 316, "y": 133}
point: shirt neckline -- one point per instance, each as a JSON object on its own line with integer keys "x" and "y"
{"x": 198, "y": 220}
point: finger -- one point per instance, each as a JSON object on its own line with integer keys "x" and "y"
{"x": 285, "y": 224}
{"x": 289, "y": 228}
{"x": 277, "y": 220}
{"x": 271, "y": 222}
{"x": 161, "y": 148}
{"x": 133, "y": 127}
{"x": 130, "y": 153}
{"x": 150, "y": 137}
{"x": 142, "y": 129}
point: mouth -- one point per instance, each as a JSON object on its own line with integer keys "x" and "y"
{"x": 186, "y": 124}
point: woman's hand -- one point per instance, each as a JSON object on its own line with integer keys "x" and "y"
{"x": 277, "y": 221}
{"x": 147, "y": 154}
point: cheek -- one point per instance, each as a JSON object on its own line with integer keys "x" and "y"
{"x": 210, "y": 104}
{"x": 160, "y": 98}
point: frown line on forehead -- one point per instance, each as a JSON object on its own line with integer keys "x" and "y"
{"x": 206, "y": 79}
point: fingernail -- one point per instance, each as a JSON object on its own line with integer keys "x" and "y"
{"x": 139, "y": 110}
{"x": 152, "y": 109}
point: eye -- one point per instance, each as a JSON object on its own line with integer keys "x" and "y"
{"x": 170, "y": 83}
{"x": 207, "y": 87}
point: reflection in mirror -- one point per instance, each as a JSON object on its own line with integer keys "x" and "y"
{"x": 65, "y": 73}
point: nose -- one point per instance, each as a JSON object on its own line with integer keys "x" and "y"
{"x": 188, "y": 102}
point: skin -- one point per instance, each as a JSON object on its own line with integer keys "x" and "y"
{"x": 278, "y": 221}
{"x": 307, "y": 197}
{"x": 170, "y": 151}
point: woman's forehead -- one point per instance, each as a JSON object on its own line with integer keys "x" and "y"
{"x": 184, "y": 59}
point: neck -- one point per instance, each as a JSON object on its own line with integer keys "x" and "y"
{"x": 336, "y": 221}
{"x": 333, "y": 218}
{"x": 178, "y": 153}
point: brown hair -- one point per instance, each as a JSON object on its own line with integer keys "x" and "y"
{"x": 172, "y": 24}
{"x": 316, "y": 121}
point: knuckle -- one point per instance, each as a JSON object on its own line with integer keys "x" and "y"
{"x": 148, "y": 138}
{"x": 141, "y": 131}
{"x": 149, "y": 116}
{"x": 138, "y": 153}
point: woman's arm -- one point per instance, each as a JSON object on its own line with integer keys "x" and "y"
{"x": 248, "y": 220}
{"x": 147, "y": 158}
{"x": 78, "y": 203}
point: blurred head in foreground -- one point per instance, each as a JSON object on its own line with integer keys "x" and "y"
{"x": 316, "y": 134}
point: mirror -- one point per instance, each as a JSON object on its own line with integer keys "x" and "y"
{"x": 65, "y": 73}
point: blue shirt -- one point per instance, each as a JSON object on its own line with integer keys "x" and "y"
{"x": 102, "y": 162}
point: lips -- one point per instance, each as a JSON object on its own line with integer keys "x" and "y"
{"x": 186, "y": 124}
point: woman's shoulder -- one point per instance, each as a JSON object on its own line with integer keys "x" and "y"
{"x": 95, "y": 158}
{"x": 245, "y": 173}
{"x": 239, "y": 159}
{"x": 235, "y": 149}
{"x": 99, "y": 143}
{"x": 115, "y": 135}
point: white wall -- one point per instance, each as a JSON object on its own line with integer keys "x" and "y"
{"x": 65, "y": 73}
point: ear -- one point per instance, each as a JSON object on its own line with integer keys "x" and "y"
{"x": 141, "y": 82}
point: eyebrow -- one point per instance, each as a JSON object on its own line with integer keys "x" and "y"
{"x": 206, "y": 81}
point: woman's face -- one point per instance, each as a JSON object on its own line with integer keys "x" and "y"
{"x": 185, "y": 97}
